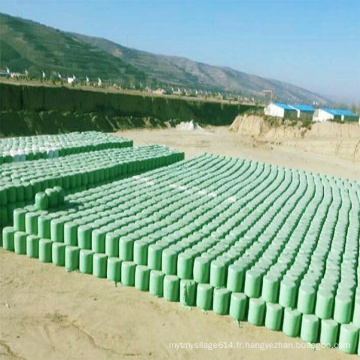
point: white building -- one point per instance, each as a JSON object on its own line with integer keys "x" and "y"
{"x": 326, "y": 114}
{"x": 280, "y": 110}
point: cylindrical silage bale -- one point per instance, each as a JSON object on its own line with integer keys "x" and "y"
{"x": 58, "y": 253}
{"x": 70, "y": 233}
{"x": 309, "y": 328}
{"x": 156, "y": 284}
{"x": 235, "y": 278}
{"x": 72, "y": 254}
{"x": 44, "y": 223}
{"x": 253, "y": 281}
{"x": 356, "y": 315}
{"x": 238, "y": 306}
{"x": 32, "y": 246}
{"x": 187, "y": 292}
{"x": 288, "y": 293}
{"x": 218, "y": 273}
{"x": 171, "y": 287}
{"x": 324, "y": 304}
{"x": 114, "y": 269}
{"x": 204, "y": 296}
{"x": 273, "y": 318}
{"x": 201, "y": 270}
{"x": 154, "y": 257}
{"x": 45, "y": 250}
{"x": 140, "y": 252}
{"x": 221, "y": 301}
{"x": 128, "y": 273}
{"x": 343, "y": 308}
{"x": 329, "y": 332}
{"x": 185, "y": 266}
{"x": 57, "y": 230}
{"x": 142, "y": 278}
{"x": 126, "y": 247}
{"x": 31, "y": 223}
{"x": 306, "y": 299}
{"x": 169, "y": 262}
{"x": 112, "y": 244}
{"x": 256, "y": 314}
{"x": 100, "y": 265}
{"x": 292, "y": 321}
{"x": 19, "y": 219}
{"x": 86, "y": 259}
{"x": 41, "y": 201}
{"x": 348, "y": 339}
{"x": 84, "y": 237}
{"x": 270, "y": 288}
{"x": 20, "y": 242}
{"x": 98, "y": 241}
{"x": 8, "y": 238}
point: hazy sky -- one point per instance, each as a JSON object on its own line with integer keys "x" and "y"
{"x": 310, "y": 43}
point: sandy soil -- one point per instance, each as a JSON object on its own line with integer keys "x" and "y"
{"x": 47, "y": 313}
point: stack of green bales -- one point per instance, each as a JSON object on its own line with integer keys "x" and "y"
{"x": 273, "y": 246}
{"x": 52, "y": 146}
{"x": 19, "y": 182}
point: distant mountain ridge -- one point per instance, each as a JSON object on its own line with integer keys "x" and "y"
{"x": 36, "y": 47}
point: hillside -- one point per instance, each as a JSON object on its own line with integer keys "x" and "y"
{"x": 27, "y": 44}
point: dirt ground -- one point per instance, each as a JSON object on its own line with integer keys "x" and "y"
{"x": 47, "y": 313}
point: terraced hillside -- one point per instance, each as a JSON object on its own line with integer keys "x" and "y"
{"x": 265, "y": 244}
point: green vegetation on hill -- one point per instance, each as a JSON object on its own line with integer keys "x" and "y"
{"x": 26, "y": 44}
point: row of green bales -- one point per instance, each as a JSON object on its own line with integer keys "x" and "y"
{"x": 269, "y": 245}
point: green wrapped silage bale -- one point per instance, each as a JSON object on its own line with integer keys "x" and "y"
{"x": 329, "y": 332}
{"x": 20, "y": 242}
{"x": 72, "y": 258}
{"x": 142, "y": 278}
{"x": 288, "y": 293}
{"x": 156, "y": 283}
{"x": 19, "y": 219}
{"x": 204, "y": 296}
{"x": 114, "y": 269}
{"x": 3, "y": 196}
{"x": 324, "y": 304}
{"x": 112, "y": 244}
{"x": 100, "y": 265}
{"x": 273, "y": 317}
{"x": 154, "y": 256}
{"x": 310, "y": 327}
{"x": 41, "y": 201}
{"x": 356, "y": 315}
{"x": 20, "y": 195}
{"x": 235, "y": 278}
{"x": 31, "y": 223}
{"x": 126, "y": 248}
{"x": 98, "y": 240}
{"x": 128, "y": 273}
{"x": 348, "y": 339}
{"x": 11, "y": 194}
{"x": 28, "y": 191}
{"x": 256, "y": 314}
{"x": 44, "y": 230}
{"x": 292, "y": 322}
{"x": 4, "y": 218}
{"x": 53, "y": 197}
{"x": 187, "y": 292}
{"x": 70, "y": 233}
{"x": 58, "y": 253}
{"x": 57, "y": 230}
{"x": 218, "y": 273}
{"x": 8, "y": 238}
{"x": 238, "y": 306}
{"x": 185, "y": 265}
{"x": 343, "y": 308}
{"x": 306, "y": 299}
{"x": 84, "y": 237}
{"x": 221, "y": 301}
{"x": 169, "y": 262}
{"x": 201, "y": 270}
{"x": 140, "y": 252}
{"x": 45, "y": 250}
{"x": 32, "y": 246}
{"x": 60, "y": 194}
{"x": 86, "y": 261}
{"x": 253, "y": 279}
{"x": 171, "y": 287}
{"x": 270, "y": 288}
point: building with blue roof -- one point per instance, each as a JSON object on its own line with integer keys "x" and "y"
{"x": 282, "y": 110}
{"x": 325, "y": 114}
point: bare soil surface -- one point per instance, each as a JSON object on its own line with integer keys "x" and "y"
{"x": 47, "y": 313}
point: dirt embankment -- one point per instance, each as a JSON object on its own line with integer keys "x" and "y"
{"x": 328, "y": 138}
